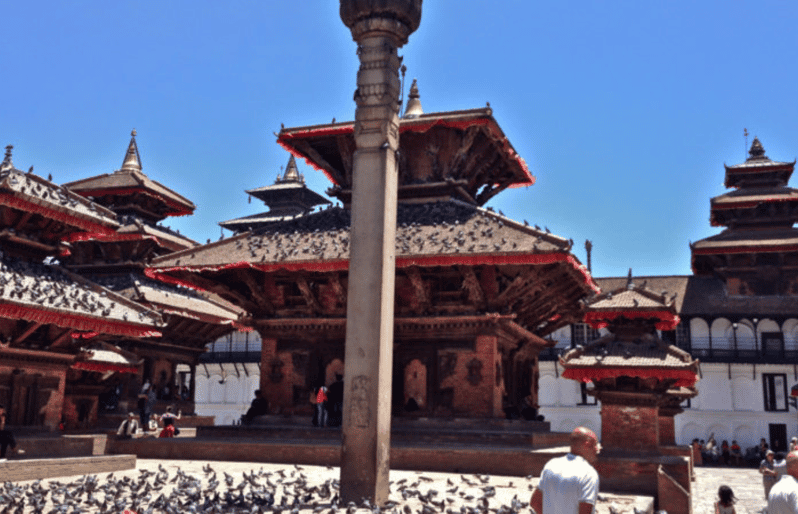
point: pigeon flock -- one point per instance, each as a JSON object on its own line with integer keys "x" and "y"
{"x": 285, "y": 490}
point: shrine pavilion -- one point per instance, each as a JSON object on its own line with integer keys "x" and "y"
{"x": 476, "y": 292}
{"x": 639, "y": 379}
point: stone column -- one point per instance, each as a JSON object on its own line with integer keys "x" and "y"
{"x": 379, "y": 27}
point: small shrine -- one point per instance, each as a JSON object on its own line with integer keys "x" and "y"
{"x": 639, "y": 379}
{"x": 757, "y": 252}
{"x": 476, "y": 293}
{"x": 287, "y": 198}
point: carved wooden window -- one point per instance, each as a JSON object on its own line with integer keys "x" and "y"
{"x": 775, "y": 391}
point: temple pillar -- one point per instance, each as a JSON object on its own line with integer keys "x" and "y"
{"x": 667, "y": 425}
{"x": 629, "y": 422}
{"x": 379, "y": 27}
{"x": 272, "y": 379}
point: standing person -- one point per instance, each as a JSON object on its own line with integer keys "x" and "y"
{"x": 783, "y": 498}
{"x": 6, "y": 437}
{"x": 321, "y": 406}
{"x": 335, "y": 397}
{"x": 768, "y": 469}
{"x": 726, "y": 499}
{"x": 569, "y": 484}
{"x": 144, "y": 416}
{"x": 724, "y": 452}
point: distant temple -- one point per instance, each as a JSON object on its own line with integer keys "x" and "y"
{"x": 288, "y": 198}
{"x": 476, "y": 293}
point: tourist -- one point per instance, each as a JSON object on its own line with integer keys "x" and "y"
{"x": 321, "y": 407}
{"x": 258, "y": 407}
{"x": 763, "y": 448}
{"x": 779, "y": 465}
{"x": 6, "y": 437}
{"x": 783, "y": 497}
{"x": 169, "y": 414}
{"x": 726, "y": 499}
{"x": 570, "y": 484}
{"x": 168, "y": 428}
{"x": 335, "y": 399}
{"x": 724, "y": 452}
{"x": 794, "y": 444}
{"x": 736, "y": 453}
{"x": 129, "y": 427}
{"x": 767, "y": 468}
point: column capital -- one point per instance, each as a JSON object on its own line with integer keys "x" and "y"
{"x": 398, "y": 18}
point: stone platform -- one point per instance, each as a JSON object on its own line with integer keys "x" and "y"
{"x": 37, "y": 469}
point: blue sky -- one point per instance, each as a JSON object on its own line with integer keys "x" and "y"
{"x": 625, "y": 111}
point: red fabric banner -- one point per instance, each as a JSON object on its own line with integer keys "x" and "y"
{"x": 76, "y": 321}
{"x": 401, "y": 262}
{"x": 683, "y": 377}
{"x": 602, "y": 319}
{"x": 104, "y": 367}
{"x": 64, "y": 217}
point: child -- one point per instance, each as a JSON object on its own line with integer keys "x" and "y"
{"x": 725, "y": 505}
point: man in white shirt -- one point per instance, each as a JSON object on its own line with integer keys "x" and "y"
{"x": 783, "y": 497}
{"x": 128, "y": 427}
{"x": 569, "y": 484}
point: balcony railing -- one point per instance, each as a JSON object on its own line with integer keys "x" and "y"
{"x": 721, "y": 351}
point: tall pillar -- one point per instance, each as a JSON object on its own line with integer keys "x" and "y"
{"x": 379, "y": 27}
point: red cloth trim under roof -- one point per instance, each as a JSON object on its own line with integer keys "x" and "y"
{"x": 74, "y": 221}
{"x": 76, "y": 322}
{"x": 415, "y": 126}
{"x": 177, "y": 209}
{"x": 84, "y": 335}
{"x": 601, "y": 319}
{"x": 401, "y": 262}
{"x": 684, "y": 377}
{"x": 112, "y": 237}
{"x": 104, "y": 367}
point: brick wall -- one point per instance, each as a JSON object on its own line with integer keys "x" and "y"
{"x": 630, "y": 428}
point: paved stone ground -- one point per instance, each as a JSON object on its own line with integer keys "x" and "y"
{"x": 745, "y": 482}
{"x": 461, "y": 490}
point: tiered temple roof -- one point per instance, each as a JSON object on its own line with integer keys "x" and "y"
{"x": 287, "y": 198}
{"x": 759, "y": 216}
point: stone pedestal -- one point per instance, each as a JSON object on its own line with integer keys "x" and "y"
{"x": 630, "y": 424}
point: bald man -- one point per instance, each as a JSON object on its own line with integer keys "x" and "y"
{"x": 570, "y": 484}
{"x": 783, "y": 497}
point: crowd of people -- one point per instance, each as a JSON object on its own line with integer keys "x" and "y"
{"x": 135, "y": 426}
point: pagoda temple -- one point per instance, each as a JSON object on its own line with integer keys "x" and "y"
{"x": 117, "y": 259}
{"x": 287, "y": 198}
{"x": 49, "y": 317}
{"x": 476, "y": 292}
{"x": 639, "y": 379}
{"x": 757, "y": 253}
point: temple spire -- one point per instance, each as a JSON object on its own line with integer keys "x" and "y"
{"x": 132, "y": 160}
{"x": 757, "y": 151}
{"x": 413, "y": 108}
{"x": 291, "y": 172}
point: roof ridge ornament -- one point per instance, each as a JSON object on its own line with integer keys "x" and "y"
{"x": 629, "y": 284}
{"x": 132, "y": 160}
{"x": 7, "y": 164}
{"x": 757, "y": 151}
{"x": 413, "y": 108}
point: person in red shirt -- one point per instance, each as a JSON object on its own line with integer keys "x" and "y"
{"x": 168, "y": 428}
{"x": 321, "y": 406}
{"x": 736, "y": 453}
